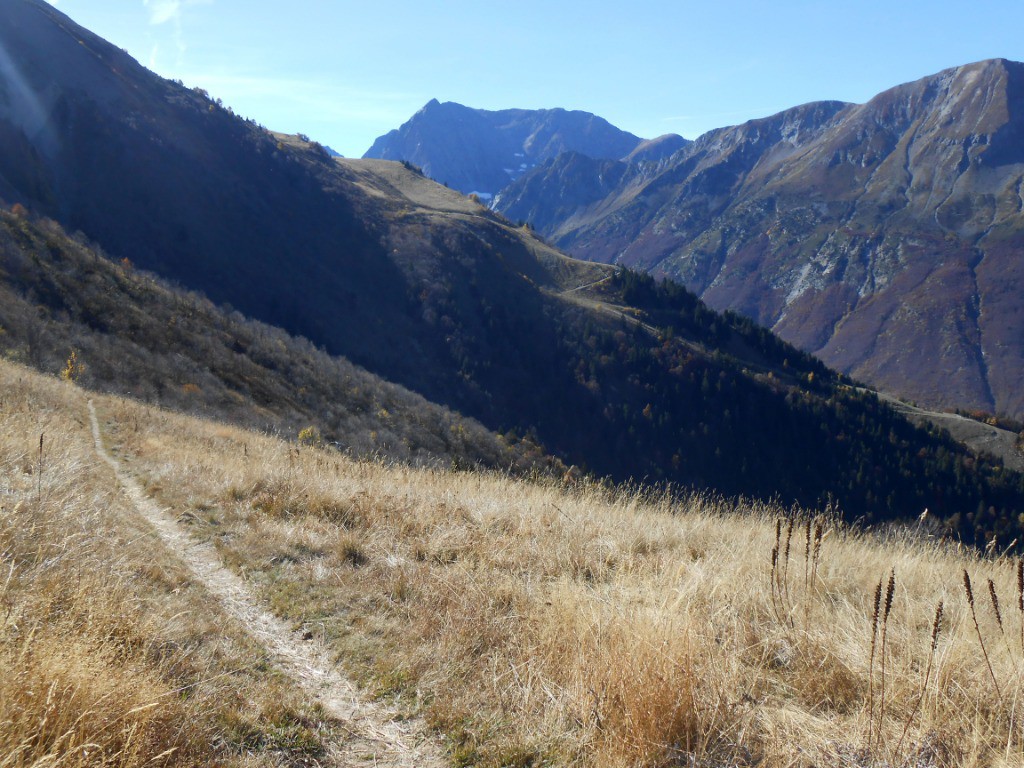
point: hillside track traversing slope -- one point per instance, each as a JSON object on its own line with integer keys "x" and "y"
{"x": 976, "y": 435}
{"x": 377, "y": 735}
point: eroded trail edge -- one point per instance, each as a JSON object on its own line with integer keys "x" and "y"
{"x": 376, "y": 734}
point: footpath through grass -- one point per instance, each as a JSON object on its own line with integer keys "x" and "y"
{"x": 543, "y": 624}
{"x": 110, "y": 653}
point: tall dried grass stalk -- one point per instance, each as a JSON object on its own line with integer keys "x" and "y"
{"x": 1020, "y": 600}
{"x": 875, "y": 613}
{"x": 936, "y": 628}
{"x": 890, "y": 590}
{"x": 807, "y": 554}
{"x": 39, "y": 470}
{"x": 819, "y": 534}
{"x": 773, "y": 584}
{"x": 785, "y": 557}
{"x": 969, "y": 592}
{"x": 994, "y": 598}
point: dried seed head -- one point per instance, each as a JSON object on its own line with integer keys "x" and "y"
{"x": 789, "y": 539}
{"x": 995, "y": 603}
{"x": 890, "y": 589}
{"x": 936, "y": 626}
{"x": 977, "y": 631}
{"x": 1020, "y": 584}
{"x": 807, "y": 540}
{"x": 878, "y": 605}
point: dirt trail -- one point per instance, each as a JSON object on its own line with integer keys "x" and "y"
{"x": 377, "y": 736}
{"x": 976, "y": 435}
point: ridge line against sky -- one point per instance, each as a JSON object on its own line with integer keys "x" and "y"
{"x": 344, "y": 72}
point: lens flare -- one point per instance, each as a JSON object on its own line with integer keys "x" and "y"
{"x": 21, "y": 105}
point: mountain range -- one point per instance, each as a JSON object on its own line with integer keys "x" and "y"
{"x": 412, "y": 288}
{"x": 477, "y": 151}
{"x": 883, "y": 237}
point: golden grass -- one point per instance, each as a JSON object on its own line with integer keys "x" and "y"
{"x": 573, "y": 625}
{"x": 534, "y": 624}
{"x": 109, "y": 654}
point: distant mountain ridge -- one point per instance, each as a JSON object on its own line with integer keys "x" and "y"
{"x": 481, "y": 151}
{"x": 887, "y": 237}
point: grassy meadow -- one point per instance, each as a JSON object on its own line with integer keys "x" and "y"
{"x": 110, "y": 653}
{"x": 531, "y": 623}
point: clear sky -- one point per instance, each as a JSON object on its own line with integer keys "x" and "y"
{"x": 345, "y": 72}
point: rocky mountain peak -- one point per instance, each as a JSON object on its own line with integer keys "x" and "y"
{"x": 886, "y": 237}
{"x": 482, "y": 151}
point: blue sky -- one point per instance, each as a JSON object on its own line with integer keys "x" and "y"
{"x": 345, "y": 72}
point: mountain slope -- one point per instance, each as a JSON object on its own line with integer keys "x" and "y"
{"x": 132, "y": 334}
{"x": 476, "y": 150}
{"x": 435, "y": 293}
{"x": 883, "y": 237}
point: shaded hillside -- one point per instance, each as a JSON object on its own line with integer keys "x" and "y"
{"x": 883, "y": 237}
{"x": 164, "y": 176}
{"x": 476, "y": 150}
{"x": 132, "y": 334}
{"x": 427, "y": 289}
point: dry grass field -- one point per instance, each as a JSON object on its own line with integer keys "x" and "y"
{"x": 110, "y": 653}
{"x": 530, "y": 623}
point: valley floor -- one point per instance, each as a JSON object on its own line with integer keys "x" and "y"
{"x": 527, "y": 623}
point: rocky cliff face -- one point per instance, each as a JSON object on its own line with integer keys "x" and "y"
{"x": 476, "y": 150}
{"x": 886, "y": 237}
